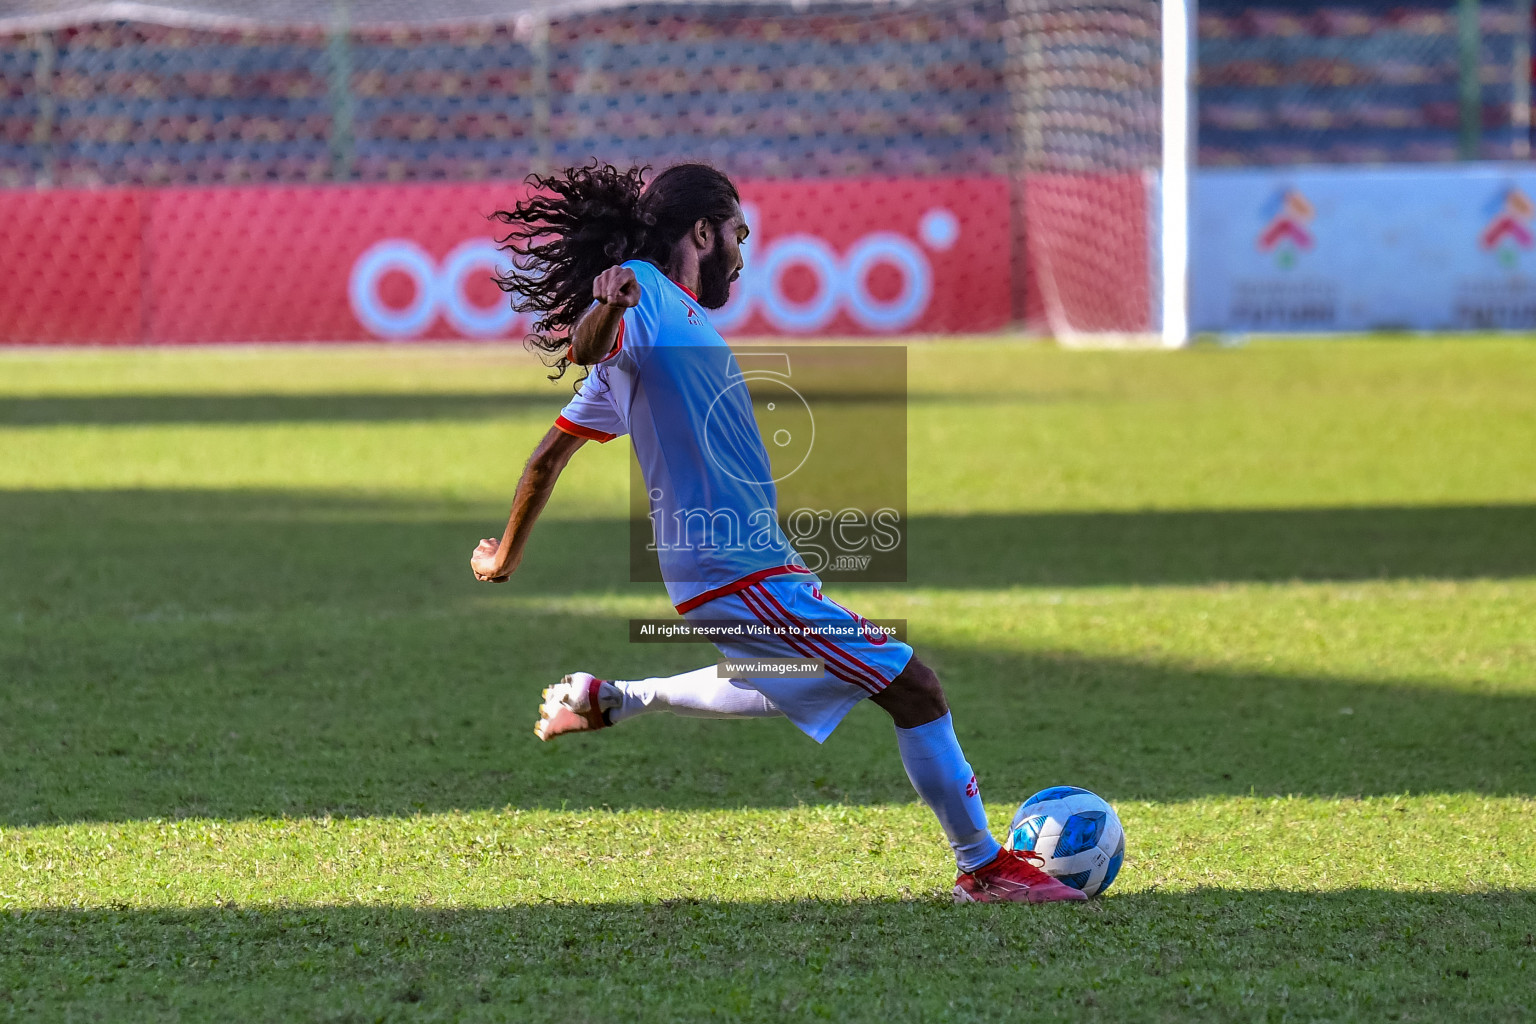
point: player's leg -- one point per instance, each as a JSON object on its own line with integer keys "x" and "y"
{"x": 581, "y": 702}
{"x": 925, "y": 735}
{"x": 862, "y": 661}
{"x": 700, "y": 693}
{"x": 931, "y": 754}
{"x": 893, "y": 677}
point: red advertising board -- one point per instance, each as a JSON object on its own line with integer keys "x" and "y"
{"x": 293, "y": 263}
{"x": 70, "y": 268}
{"x": 355, "y": 263}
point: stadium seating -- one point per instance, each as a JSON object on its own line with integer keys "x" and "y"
{"x": 903, "y": 91}
{"x": 795, "y": 96}
{"x": 1310, "y": 82}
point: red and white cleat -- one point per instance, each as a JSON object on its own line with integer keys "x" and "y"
{"x": 1013, "y": 876}
{"x": 572, "y": 705}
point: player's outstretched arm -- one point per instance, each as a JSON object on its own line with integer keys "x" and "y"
{"x": 615, "y": 291}
{"x": 494, "y": 560}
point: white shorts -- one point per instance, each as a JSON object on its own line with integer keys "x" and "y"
{"x": 860, "y": 660}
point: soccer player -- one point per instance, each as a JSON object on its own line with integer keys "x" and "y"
{"x": 620, "y": 273}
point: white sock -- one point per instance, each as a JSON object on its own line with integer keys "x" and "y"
{"x": 943, "y": 778}
{"x": 697, "y": 694}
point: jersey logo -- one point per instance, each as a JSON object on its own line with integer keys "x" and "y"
{"x": 693, "y": 315}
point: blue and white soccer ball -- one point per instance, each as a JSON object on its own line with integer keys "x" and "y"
{"x": 1077, "y": 833}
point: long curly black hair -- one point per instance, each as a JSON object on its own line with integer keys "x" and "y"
{"x": 579, "y": 222}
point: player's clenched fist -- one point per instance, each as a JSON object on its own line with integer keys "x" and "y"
{"x": 617, "y": 286}
{"x": 485, "y": 563}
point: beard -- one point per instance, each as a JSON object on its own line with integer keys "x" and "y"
{"x": 715, "y": 272}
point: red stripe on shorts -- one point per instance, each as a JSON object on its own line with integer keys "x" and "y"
{"x": 801, "y": 644}
{"x": 805, "y": 648}
{"x": 880, "y": 681}
{"x": 836, "y": 661}
{"x": 736, "y": 585}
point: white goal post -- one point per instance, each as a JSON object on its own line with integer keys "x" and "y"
{"x": 1178, "y": 95}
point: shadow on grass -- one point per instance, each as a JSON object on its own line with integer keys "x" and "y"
{"x": 299, "y": 546}
{"x": 124, "y": 410}
{"x": 190, "y": 408}
{"x": 257, "y": 654}
{"x": 1356, "y": 954}
{"x": 397, "y": 717}
{"x": 1078, "y": 549}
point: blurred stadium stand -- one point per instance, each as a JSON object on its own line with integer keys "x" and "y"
{"x": 1309, "y": 82}
{"x": 772, "y": 95}
{"x": 766, "y": 92}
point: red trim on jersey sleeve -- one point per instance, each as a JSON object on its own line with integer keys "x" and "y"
{"x": 577, "y": 430}
{"x": 741, "y": 584}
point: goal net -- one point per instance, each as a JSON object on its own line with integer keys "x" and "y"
{"x": 1086, "y": 132}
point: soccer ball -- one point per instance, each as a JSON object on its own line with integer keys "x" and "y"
{"x": 1076, "y": 832}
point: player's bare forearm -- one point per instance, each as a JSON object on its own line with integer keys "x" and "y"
{"x": 615, "y": 290}
{"x": 595, "y": 334}
{"x": 494, "y": 561}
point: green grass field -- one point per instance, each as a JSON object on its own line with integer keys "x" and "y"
{"x": 266, "y": 751}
